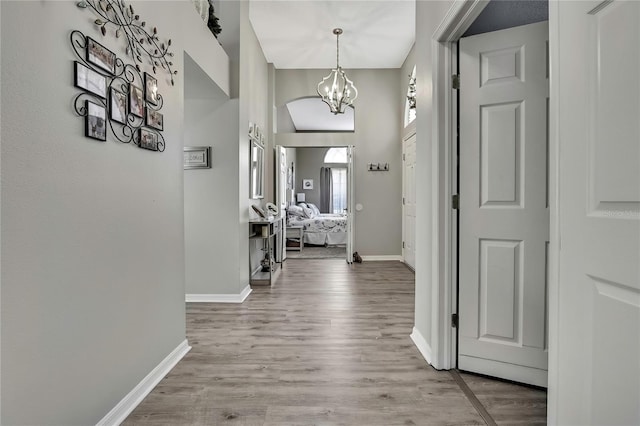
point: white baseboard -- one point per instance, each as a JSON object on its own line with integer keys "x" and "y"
{"x": 422, "y": 345}
{"x": 394, "y": 257}
{"x": 220, "y": 298}
{"x": 120, "y": 412}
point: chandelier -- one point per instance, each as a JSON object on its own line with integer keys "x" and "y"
{"x": 336, "y": 90}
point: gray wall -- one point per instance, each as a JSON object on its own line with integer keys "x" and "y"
{"x": 211, "y": 195}
{"x": 254, "y": 95}
{"x": 309, "y": 161}
{"x": 378, "y": 227}
{"x": 217, "y": 204}
{"x": 92, "y": 233}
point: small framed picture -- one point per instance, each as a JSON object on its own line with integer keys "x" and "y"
{"x": 96, "y": 123}
{"x": 136, "y": 101}
{"x": 154, "y": 119}
{"x": 90, "y": 80}
{"x": 150, "y": 89}
{"x": 197, "y": 157}
{"x": 148, "y": 140}
{"x": 307, "y": 183}
{"x": 100, "y": 56}
{"x": 118, "y": 106}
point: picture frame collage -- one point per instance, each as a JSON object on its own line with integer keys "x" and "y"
{"x": 116, "y": 97}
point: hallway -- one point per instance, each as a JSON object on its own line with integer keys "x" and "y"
{"x": 327, "y": 344}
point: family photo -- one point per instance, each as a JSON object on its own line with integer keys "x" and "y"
{"x": 118, "y": 106}
{"x": 90, "y": 80}
{"x": 136, "y": 102}
{"x": 148, "y": 140}
{"x": 96, "y": 127}
{"x": 100, "y": 56}
{"x": 155, "y": 119}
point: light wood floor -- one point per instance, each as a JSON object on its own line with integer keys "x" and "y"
{"x": 328, "y": 344}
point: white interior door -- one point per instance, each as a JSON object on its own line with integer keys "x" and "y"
{"x": 504, "y": 216}
{"x": 281, "y": 197}
{"x": 595, "y": 372}
{"x": 409, "y": 201}
{"x": 350, "y": 204}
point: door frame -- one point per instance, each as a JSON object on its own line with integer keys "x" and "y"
{"x": 351, "y": 229}
{"x": 444, "y": 298}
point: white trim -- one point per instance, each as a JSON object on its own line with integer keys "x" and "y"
{"x": 443, "y": 345}
{"x": 504, "y": 370}
{"x": 394, "y": 257}
{"x": 553, "y": 378}
{"x": 119, "y": 413}
{"x": 421, "y": 344}
{"x": 219, "y": 298}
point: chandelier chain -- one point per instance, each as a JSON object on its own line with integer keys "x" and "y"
{"x": 337, "y": 50}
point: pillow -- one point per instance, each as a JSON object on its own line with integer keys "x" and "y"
{"x": 302, "y": 204}
{"x": 295, "y": 211}
{"x": 308, "y": 212}
{"x": 316, "y": 210}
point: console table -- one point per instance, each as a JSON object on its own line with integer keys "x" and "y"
{"x": 268, "y": 232}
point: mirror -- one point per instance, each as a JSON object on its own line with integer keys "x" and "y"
{"x": 257, "y": 170}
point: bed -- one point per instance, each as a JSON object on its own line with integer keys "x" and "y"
{"x": 320, "y": 228}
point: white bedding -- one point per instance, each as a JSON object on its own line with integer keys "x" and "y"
{"x": 329, "y": 229}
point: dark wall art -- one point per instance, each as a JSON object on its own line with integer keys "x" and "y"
{"x": 116, "y": 98}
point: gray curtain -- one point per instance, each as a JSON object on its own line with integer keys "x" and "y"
{"x": 326, "y": 190}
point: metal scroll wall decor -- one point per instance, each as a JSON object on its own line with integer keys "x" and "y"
{"x": 142, "y": 42}
{"x": 116, "y": 95}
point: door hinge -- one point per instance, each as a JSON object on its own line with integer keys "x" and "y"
{"x": 455, "y": 202}
{"x": 403, "y": 201}
{"x": 403, "y": 244}
{"x": 455, "y": 81}
{"x": 404, "y": 157}
{"x": 454, "y": 320}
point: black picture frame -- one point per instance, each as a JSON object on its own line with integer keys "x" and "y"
{"x": 118, "y": 106}
{"x": 148, "y": 139}
{"x": 154, "y": 119}
{"x": 89, "y": 80}
{"x": 100, "y": 56}
{"x": 96, "y": 121}
{"x": 150, "y": 89}
{"x": 136, "y": 101}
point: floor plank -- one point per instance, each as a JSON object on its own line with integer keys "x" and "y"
{"x": 327, "y": 344}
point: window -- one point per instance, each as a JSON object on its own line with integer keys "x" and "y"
{"x": 409, "y": 111}
{"x": 336, "y": 155}
{"x": 339, "y": 178}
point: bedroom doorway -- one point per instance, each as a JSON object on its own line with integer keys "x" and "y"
{"x": 314, "y": 186}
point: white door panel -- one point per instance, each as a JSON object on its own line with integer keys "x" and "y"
{"x": 281, "y": 197}
{"x": 504, "y": 219}
{"x": 598, "y": 334}
{"x": 350, "y": 203}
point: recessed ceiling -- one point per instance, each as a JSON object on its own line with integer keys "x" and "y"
{"x": 297, "y": 34}
{"x": 313, "y": 115}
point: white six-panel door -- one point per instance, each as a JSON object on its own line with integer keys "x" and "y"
{"x": 504, "y": 216}
{"x": 595, "y": 376}
{"x": 409, "y": 198}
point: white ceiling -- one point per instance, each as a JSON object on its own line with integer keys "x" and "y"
{"x": 297, "y": 34}
{"x": 313, "y": 115}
